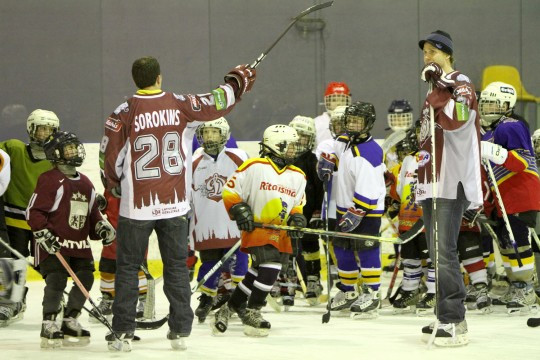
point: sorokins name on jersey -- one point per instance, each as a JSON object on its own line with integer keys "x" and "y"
{"x": 155, "y": 119}
{"x": 279, "y": 188}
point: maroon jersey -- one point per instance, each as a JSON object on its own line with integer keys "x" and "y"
{"x": 67, "y": 207}
{"x": 147, "y": 149}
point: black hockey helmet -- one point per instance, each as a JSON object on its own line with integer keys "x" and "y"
{"x": 359, "y": 119}
{"x": 408, "y": 145}
{"x": 64, "y": 148}
{"x": 400, "y": 116}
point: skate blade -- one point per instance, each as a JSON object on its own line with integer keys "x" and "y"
{"x": 218, "y": 328}
{"x": 314, "y": 301}
{"x": 50, "y": 343}
{"x": 273, "y": 303}
{"x": 459, "y": 340}
{"x": 12, "y": 320}
{"x": 119, "y": 346}
{"x": 525, "y": 310}
{"x": 255, "y": 332}
{"x": 406, "y": 310}
{"x": 178, "y": 344}
{"x": 72, "y": 341}
{"x": 424, "y": 312}
{"x": 364, "y": 315}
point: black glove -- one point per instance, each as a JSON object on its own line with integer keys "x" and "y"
{"x": 241, "y": 78}
{"x": 47, "y": 241}
{"x": 470, "y": 216}
{"x": 101, "y": 202}
{"x": 106, "y": 232}
{"x": 297, "y": 220}
{"x": 243, "y": 216}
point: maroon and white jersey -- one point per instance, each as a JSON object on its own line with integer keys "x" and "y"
{"x": 67, "y": 207}
{"x": 211, "y": 226}
{"x": 457, "y": 141}
{"x": 147, "y": 149}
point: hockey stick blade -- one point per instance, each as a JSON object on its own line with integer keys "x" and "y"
{"x": 295, "y": 19}
{"x": 533, "y": 322}
{"x": 151, "y": 325}
{"x": 392, "y": 140}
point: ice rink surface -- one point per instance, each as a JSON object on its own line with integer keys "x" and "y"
{"x": 296, "y": 334}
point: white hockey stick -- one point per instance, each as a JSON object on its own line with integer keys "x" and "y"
{"x": 392, "y": 140}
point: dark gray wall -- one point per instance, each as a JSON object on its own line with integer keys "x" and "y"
{"x": 74, "y": 57}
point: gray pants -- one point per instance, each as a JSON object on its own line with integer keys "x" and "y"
{"x": 132, "y": 243}
{"x": 451, "y": 289}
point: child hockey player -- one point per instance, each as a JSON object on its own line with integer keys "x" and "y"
{"x": 212, "y": 231}
{"x": 268, "y": 190}
{"x": 62, "y": 214}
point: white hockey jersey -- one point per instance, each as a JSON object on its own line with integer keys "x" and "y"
{"x": 272, "y": 193}
{"x": 210, "y": 226}
{"x": 322, "y": 128}
{"x": 5, "y": 171}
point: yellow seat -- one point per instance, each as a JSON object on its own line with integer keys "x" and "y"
{"x": 510, "y": 75}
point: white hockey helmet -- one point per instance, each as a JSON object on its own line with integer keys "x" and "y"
{"x": 400, "y": 115}
{"x": 280, "y": 141}
{"x": 496, "y": 100}
{"x": 305, "y": 127}
{"x": 536, "y": 144}
{"x": 41, "y": 117}
{"x": 213, "y": 142}
{"x": 337, "y": 124}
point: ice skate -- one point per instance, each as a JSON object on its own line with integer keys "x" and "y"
{"x": 478, "y": 298}
{"x": 74, "y": 333}
{"x": 254, "y": 324}
{"x": 222, "y": 316}
{"x": 313, "y": 290}
{"x": 104, "y": 307}
{"x": 343, "y": 300}
{"x": 10, "y": 313}
{"x": 51, "y": 335}
{"x": 120, "y": 342}
{"x": 524, "y": 299}
{"x": 367, "y": 305}
{"x": 406, "y": 301}
{"x": 177, "y": 340}
{"x": 204, "y": 308}
{"x": 448, "y": 334}
{"x": 426, "y": 304}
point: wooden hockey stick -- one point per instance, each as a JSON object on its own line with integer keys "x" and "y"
{"x": 294, "y": 20}
{"x": 329, "y": 233}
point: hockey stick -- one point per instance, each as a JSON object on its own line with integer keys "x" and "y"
{"x": 503, "y": 211}
{"x": 294, "y": 20}
{"x": 216, "y": 267}
{"x": 392, "y": 140}
{"x": 326, "y": 316}
{"x": 329, "y": 233}
{"x": 150, "y": 304}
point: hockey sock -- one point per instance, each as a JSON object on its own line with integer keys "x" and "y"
{"x": 347, "y": 268}
{"x": 243, "y": 290}
{"x": 240, "y": 267}
{"x": 476, "y": 269}
{"x": 55, "y": 283}
{"x": 267, "y": 276}
{"x": 76, "y": 299}
{"x": 313, "y": 263}
{"x": 412, "y": 273}
{"x": 210, "y": 286}
{"x": 106, "y": 284}
{"x": 370, "y": 259}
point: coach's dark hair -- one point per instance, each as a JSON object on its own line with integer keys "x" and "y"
{"x": 145, "y": 71}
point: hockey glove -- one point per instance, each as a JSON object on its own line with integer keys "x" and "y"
{"x": 243, "y": 216}
{"x": 494, "y": 152}
{"x": 117, "y": 192}
{"x": 106, "y": 232}
{"x": 351, "y": 219}
{"x": 316, "y": 221}
{"x": 326, "y": 166}
{"x": 101, "y": 202}
{"x": 470, "y": 216}
{"x": 298, "y": 220}
{"x": 47, "y": 241}
{"x": 241, "y": 78}
{"x": 433, "y": 73}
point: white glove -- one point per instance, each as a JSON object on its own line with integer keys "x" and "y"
{"x": 494, "y": 152}
{"x": 106, "y": 232}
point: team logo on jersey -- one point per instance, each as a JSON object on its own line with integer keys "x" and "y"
{"x": 195, "y": 104}
{"x": 213, "y": 186}
{"x": 78, "y": 211}
{"x": 422, "y": 158}
{"x": 113, "y": 124}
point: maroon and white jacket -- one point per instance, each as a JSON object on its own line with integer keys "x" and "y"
{"x": 67, "y": 207}
{"x": 146, "y": 149}
{"x": 457, "y": 142}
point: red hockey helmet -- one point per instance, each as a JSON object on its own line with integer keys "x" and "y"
{"x": 336, "y": 94}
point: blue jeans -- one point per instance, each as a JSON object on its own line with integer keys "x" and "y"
{"x": 451, "y": 288}
{"x": 132, "y": 243}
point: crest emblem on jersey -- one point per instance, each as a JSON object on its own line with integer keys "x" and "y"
{"x": 78, "y": 211}
{"x": 213, "y": 186}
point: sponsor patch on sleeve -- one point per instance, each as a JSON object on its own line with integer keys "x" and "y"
{"x": 113, "y": 124}
{"x": 195, "y": 103}
{"x": 219, "y": 98}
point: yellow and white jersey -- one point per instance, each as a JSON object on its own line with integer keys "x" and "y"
{"x": 211, "y": 227}
{"x": 409, "y": 212}
{"x": 272, "y": 193}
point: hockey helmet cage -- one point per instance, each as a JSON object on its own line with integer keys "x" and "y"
{"x": 38, "y": 118}
{"x": 359, "y": 119}
{"x": 337, "y": 127}
{"x": 305, "y": 127}
{"x": 408, "y": 145}
{"x": 492, "y": 102}
{"x": 536, "y": 144}
{"x": 400, "y": 116}
{"x": 336, "y": 94}
{"x": 281, "y": 141}
{"x": 64, "y": 148}
{"x": 211, "y": 141}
